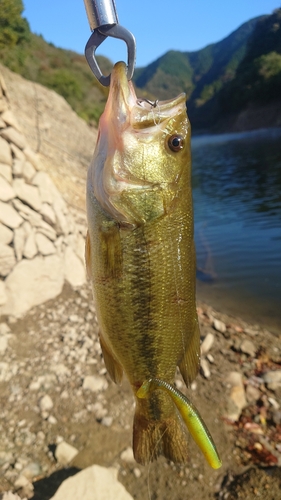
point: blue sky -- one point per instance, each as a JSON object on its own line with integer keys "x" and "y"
{"x": 158, "y": 25}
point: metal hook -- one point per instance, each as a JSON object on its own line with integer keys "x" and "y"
{"x": 103, "y": 20}
{"x": 153, "y": 104}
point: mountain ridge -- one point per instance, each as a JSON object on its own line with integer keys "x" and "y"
{"x": 190, "y": 67}
{"x": 211, "y": 77}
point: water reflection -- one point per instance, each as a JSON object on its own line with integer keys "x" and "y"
{"x": 237, "y": 203}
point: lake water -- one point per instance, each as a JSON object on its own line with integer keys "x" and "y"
{"x": 237, "y": 207}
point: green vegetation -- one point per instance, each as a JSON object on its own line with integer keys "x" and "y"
{"x": 64, "y": 71}
{"x": 242, "y": 69}
{"x": 13, "y": 28}
{"x": 167, "y": 76}
{"x": 258, "y": 77}
{"x": 201, "y": 73}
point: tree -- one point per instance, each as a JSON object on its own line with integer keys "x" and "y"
{"x": 14, "y": 29}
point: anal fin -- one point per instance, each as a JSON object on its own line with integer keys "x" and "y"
{"x": 189, "y": 364}
{"x": 113, "y": 367}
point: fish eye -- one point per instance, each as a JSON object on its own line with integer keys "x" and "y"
{"x": 176, "y": 142}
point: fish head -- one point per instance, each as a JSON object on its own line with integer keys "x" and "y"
{"x": 142, "y": 151}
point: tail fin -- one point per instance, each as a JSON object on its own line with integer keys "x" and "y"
{"x": 152, "y": 438}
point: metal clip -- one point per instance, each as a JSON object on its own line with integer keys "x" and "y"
{"x": 103, "y": 20}
{"x": 101, "y": 13}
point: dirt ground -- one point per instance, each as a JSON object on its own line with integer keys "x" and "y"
{"x": 51, "y": 351}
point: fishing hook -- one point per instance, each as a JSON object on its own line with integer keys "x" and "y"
{"x": 153, "y": 104}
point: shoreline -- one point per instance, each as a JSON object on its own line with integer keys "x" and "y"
{"x": 228, "y": 307}
{"x": 251, "y": 118}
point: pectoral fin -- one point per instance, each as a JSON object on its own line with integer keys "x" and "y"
{"x": 114, "y": 368}
{"x": 189, "y": 364}
{"x": 140, "y": 205}
{"x": 111, "y": 248}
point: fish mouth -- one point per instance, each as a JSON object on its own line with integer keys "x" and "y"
{"x": 131, "y": 133}
{"x": 121, "y": 97}
{"x": 124, "y": 107}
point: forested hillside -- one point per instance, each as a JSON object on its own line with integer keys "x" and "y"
{"x": 201, "y": 73}
{"x": 258, "y": 76}
{"x": 242, "y": 70}
{"x": 255, "y": 84}
{"x": 64, "y": 71}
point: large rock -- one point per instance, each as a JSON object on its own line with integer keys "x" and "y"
{"x": 80, "y": 247}
{"x": 28, "y": 171}
{"x": 30, "y": 249}
{"x": 14, "y": 136}
{"x": 27, "y": 213}
{"x": 19, "y": 241}
{"x": 5, "y": 152}
{"x": 31, "y": 156}
{"x": 93, "y": 483}
{"x": 48, "y": 214}
{"x": 6, "y": 235}
{"x": 9, "y": 216}
{"x": 74, "y": 270}
{"x": 46, "y": 229}
{"x": 10, "y": 119}
{"x": 7, "y": 259}
{"x": 66, "y": 146}
{"x": 32, "y": 282}
{"x": 40, "y": 245}
{"x": 62, "y": 222}
{"x": 27, "y": 193}
{"x": 17, "y": 153}
{"x": 17, "y": 168}
{"x": 6, "y": 191}
{"x": 44, "y": 245}
{"x": 48, "y": 191}
{"x": 6, "y": 171}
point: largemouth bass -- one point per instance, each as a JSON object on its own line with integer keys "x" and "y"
{"x": 141, "y": 259}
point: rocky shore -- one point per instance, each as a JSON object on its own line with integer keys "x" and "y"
{"x": 66, "y": 429}
{"x": 41, "y": 247}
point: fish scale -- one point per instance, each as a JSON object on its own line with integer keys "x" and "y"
{"x": 141, "y": 259}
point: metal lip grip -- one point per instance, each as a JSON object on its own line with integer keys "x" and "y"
{"x": 103, "y": 20}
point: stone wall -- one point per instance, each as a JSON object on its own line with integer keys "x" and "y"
{"x": 41, "y": 247}
{"x": 62, "y": 140}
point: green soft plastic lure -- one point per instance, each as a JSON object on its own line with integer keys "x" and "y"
{"x": 190, "y": 416}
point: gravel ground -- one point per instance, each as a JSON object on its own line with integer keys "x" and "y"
{"x": 60, "y": 412}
